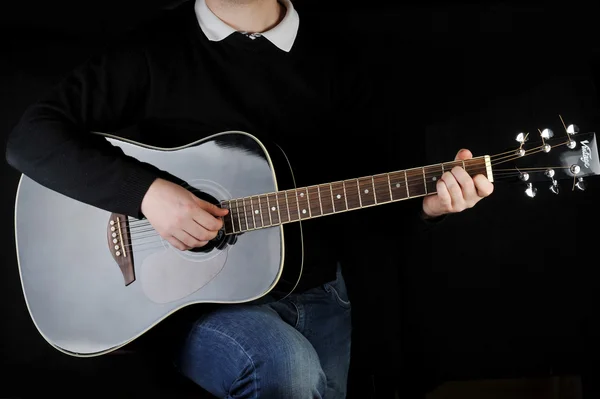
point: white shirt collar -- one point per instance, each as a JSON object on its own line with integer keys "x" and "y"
{"x": 282, "y": 35}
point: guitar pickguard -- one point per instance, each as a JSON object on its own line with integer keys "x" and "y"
{"x": 167, "y": 276}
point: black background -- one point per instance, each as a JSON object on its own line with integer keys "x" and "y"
{"x": 504, "y": 289}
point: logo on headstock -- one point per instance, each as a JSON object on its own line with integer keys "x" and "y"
{"x": 586, "y": 153}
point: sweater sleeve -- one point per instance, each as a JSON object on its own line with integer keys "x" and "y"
{"x": 53, "y": 143}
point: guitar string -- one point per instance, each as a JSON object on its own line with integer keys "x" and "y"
{"x": 154, "y": 240}
{"x": 137, "y": 238}
{"x": 418, "y": 177}
{"x": 414, "y": 175}
{"x": 238, "y": 208}
{"x": 279, "y": 196}
{"x": 239, "y": 211}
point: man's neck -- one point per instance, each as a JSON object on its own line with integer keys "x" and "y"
{"x": 252, "y": 16}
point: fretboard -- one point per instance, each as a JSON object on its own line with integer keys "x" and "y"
{"x": 276, "y": 208}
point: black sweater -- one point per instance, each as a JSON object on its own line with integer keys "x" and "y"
{"x": 169, "y": 85}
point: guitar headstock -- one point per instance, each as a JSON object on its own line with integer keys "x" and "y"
{"x": 543, "y": 158}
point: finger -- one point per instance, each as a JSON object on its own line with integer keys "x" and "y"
{"x": 467, "y": 186}
{"x": 177, "y": 244}
{"x": 463, "y": 154}
{"x": 444, "y": 198}
{"x": 456, "y": 195}
{"x": 186, "y": 239}
{"x": 197, "y": 231}
{"x": 206, "y": 220}
{"x": 483, "y": 186}
{"x": 211, "y": 208}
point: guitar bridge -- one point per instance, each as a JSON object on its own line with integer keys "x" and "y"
{"x": 119, "y": 245}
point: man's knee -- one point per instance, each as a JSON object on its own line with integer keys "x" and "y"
{"x": 252, "y": 355}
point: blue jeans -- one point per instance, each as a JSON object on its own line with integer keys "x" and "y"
{"x": 298, "y": 347}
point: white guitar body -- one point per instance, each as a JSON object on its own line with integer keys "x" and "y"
{"x": 74, "y": 289}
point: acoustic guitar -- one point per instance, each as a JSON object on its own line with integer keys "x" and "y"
{"x": 94, "y": 280}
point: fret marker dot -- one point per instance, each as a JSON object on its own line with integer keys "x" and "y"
{"x": 302, "y": 194}
{"x": 256, "y": 211}
{"x": 303, "y": 210}
{"x": 434, "y": 178}
{"x": 397, "y": 185}
{"x": 367, "y": 191}
{"x": 338, "y": 196}
{"x": 273, "y": 209}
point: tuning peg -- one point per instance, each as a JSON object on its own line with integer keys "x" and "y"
{"x": 550, "y": 173}
{"x": 524, "y": 176}
{"x": 546, "y": 148}
{"x": 575, "y": 169}
{"x": 580, "y": 184}
{"x": 571, "y": 143}
{"x": 547, "y": 133}
{"x": 554, "y": 187}
{"x": 530, "y": 190}
{"x": 572, "y": 129}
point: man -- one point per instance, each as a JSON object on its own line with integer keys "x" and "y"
{"x": 211, "y": 66}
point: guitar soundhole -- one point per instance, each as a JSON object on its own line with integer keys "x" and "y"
{"x": 221, "y": 240}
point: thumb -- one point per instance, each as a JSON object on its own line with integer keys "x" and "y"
{"x": 210, "y": 207}
{"x": 215, "y": 210}
{"x": 463, "y": 155}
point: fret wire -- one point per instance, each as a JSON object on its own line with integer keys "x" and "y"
{"x": 390, "y": 187}
{"x": 278, "y": 206}
{"x": 374, "y": 191}
{"x": 319, "y": 194}
{"x": 308, "y": 203}
{"x": 288, "y": 206}
{"x": 358, "y": 191}
{"x": 260, "y": 211}
{"x": 245, "y": 214}
{"x": 345, "y": 196}
{"x": 332, "y": 200}
{"x": 269, "y": 210}
{"x": 443, "y": 168}
{"x": 297, "y": 204}
{"x": 239, "y": 218}
{"x": 406, "y": 183}
{"x": 232, "y": 218}
{"x": 424, "y": 180}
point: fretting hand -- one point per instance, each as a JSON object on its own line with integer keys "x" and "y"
{"x": 179, "y": 216}
{"x": 457, "y": 190}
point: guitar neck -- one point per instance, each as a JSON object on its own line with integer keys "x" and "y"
{"x": 276, "y": 208}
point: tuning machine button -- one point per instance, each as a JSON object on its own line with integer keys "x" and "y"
{"x": 554, "y": 187}
{"x": 530, "y": 191}
{"x": 580, "y": 184}
{"x": 547, "y": 133}
{"x": 572, "y": 129}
